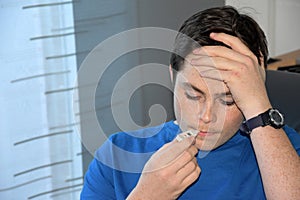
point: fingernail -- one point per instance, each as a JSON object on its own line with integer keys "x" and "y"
{"x": 212, "y": 34}
{"x": 195, "y": 51}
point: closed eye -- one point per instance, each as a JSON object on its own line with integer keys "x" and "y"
{"x": 193, "y": 97}
{"x": 227, "y": 102}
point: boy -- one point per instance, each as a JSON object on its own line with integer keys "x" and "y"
{"x": 234, "y": 144}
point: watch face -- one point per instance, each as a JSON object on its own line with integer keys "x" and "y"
{"x": 276, "y": 118}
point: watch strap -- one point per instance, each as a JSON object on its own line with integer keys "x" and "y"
{"x": 260, "y": 120}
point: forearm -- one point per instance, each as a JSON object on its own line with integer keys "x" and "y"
{"x": 279, "y": 163}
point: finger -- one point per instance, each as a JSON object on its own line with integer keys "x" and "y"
{"x": 196, "y": 62}
{"x": 168, "y": 154}
{"x": 218, "y": 75}
{"x": 237, "y": 64}
{"x": 186, "y": 157}
{"x": 177, "y": 147}
{"x": 192, "y": 177}
{"x": 234, "y": 42}
{"x": 220, "y": 63}
{"x": 223, "y": 52}
{"x": 215, "y": 65}
{"x": 188, "y": 168}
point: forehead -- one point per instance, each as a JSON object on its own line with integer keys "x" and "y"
{"x": 191, "y": 75}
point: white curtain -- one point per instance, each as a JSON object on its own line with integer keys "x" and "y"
{"x": 40, "y": 147}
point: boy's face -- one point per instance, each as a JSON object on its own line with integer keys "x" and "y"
{"x": 205, "y": 105}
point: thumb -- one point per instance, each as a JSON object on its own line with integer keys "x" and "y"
{"x": 170, "y": 151}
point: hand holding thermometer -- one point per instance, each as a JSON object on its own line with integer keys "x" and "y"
{"x": 171, "y": 169}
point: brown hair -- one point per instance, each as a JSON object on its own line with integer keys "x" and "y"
{"x": 219, "y": 19}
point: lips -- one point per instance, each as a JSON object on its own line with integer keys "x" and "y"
{"x": 205, "y": 133}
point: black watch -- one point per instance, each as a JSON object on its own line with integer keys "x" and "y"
{"x": 271, "y": 117}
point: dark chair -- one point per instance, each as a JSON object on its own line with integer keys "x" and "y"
{"x": 284, "y": 93}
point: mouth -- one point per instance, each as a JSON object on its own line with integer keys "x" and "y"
{"x": 206, "y": 134}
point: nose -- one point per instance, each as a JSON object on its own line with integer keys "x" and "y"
{"x": 207, "y": 113}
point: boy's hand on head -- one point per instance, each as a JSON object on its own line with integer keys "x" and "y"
{"x": 168, "y": 172}
{"x": 238, "y": 68}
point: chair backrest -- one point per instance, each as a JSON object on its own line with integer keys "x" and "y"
{"x": 284, "y": 93}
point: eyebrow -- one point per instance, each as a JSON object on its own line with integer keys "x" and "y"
{"x": 190, "y": 86}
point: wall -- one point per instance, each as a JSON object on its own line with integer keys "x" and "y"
{"x": 278, "y": 18}
{"x": 97, "y": 21}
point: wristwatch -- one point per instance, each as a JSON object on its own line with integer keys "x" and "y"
{"x": 272, "y": 117}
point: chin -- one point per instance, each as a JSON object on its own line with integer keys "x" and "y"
{"x": 207, "y": 144}
{"x": 206, "y": 147}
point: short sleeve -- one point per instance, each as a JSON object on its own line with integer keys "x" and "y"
{"x": 98, "y": 182}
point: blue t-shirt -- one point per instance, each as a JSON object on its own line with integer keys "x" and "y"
{"x": 228, "y": 172}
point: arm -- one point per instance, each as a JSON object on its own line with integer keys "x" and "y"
{"x": 278, "y": 162}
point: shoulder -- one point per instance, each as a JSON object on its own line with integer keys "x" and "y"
{"x": 147, "y": 139}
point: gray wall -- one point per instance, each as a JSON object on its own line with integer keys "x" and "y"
{"x": 95, "y": 21}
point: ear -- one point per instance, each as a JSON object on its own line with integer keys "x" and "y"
{"x": 171, "y": 74}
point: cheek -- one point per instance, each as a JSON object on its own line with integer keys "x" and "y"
{"x": 185, "y": 109}
{"x": 178, "y": 106}
{"x": 177, "y": 109}
{"x": 234, "y": 119}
